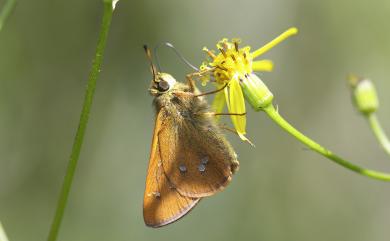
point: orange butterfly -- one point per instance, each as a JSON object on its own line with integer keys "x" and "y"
{"x": 190, "y": 158}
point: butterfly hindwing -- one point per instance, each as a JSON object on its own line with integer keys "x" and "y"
{"x": 196, "y": 158}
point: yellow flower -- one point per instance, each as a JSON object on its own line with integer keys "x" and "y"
{"x": 234, "y": 67}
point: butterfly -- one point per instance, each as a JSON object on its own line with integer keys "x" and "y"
{"x": 189, "y": 158}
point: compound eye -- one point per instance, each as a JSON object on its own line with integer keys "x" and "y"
{"x": 163, "y": 85}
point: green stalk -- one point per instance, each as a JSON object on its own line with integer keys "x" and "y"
{"x": 4, "y": 14}
{"x": 78, "y": 141}
{"x": 278, "y": 119}
{"x": 6, "y": 11}
{"x": 3, "y": 236}
{"x": 379, "y": 132}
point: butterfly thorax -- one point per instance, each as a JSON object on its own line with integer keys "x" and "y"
{"x": 180, "y": 103}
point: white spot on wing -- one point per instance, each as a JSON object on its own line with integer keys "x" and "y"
{"x": 202, "y": 167}
{"x": 182, "y": 168}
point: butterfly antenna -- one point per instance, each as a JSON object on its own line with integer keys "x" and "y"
{"x": 181, "y": 57}
{"x": 149, "y": 56}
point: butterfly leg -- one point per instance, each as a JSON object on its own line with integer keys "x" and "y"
{"x": 212, "y": 92}
{"x": 190, "y": 77}
{"x": 182, "y": 93}
{"x": 225, "y": 127}
{"x": 191, "y": 81}
{"x": 216, "y": 114}
{"x": 239, "y": 114}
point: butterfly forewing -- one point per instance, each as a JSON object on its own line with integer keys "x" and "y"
{"x": 163, "y": 204}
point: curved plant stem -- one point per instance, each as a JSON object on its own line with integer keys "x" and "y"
{"x": 276, "y": 117}
{"x": 379, "y": 132}
{"x": 89, "y": 93}
{"x": 3, "y": 236}
{"x": 6, "y": 11}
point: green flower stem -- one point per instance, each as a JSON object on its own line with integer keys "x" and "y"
{"x": 276, "y": 117}
{"x": 89, "y": 93}
{"x": 379, "y": 132}
{"x": 4, "y": 14}
{"x": 3, "y": 236}
{"x": 6, "y": 11}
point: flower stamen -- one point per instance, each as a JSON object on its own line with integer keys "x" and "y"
{"x": 234, "y": 58}
{"x": 223, "y": 52}
{"x": 221, "y": 67}
{"x": 209, "y": 52}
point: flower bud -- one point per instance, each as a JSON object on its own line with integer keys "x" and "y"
{"x": 364, "y": 94}
{"x": 256, "y": 92}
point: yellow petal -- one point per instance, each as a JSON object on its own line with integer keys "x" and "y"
{"x": 288, "y": 33}
{"x": 262, "y": 65}
{"x": 218, "y": 103}
{"x": 237, "y": 106}
{"x": 226, "y": 90}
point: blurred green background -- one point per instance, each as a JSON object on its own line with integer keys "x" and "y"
{"x": 282, "y": 191}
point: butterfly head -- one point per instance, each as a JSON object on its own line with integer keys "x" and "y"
{"x": 162, "y": 82}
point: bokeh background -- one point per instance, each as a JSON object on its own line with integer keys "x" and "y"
{"x": 282, "y": 191}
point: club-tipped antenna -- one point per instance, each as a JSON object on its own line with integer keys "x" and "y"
{"x": 149, "y": 56}
{"x": 181, "y": 57}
